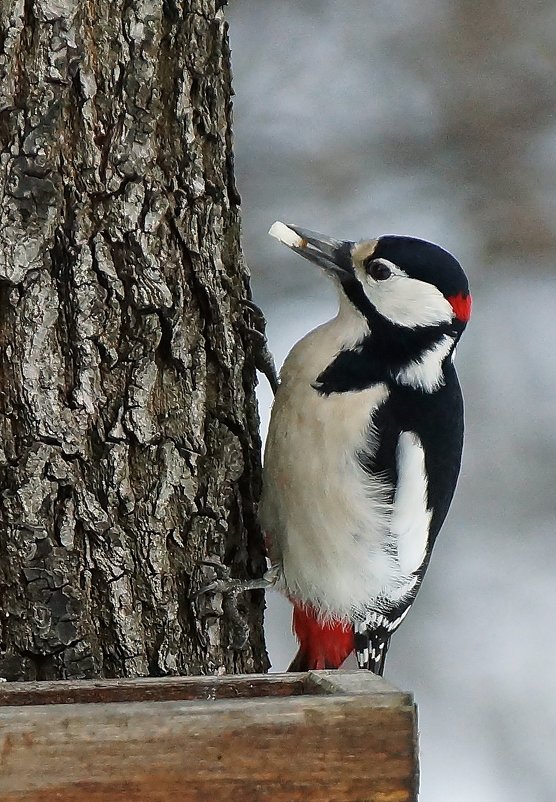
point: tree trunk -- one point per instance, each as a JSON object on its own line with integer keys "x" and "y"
{"x": 128, "y": 422}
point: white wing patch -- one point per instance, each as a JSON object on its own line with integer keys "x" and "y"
{"x": 410, "y": 517}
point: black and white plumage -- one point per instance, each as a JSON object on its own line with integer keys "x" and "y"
{"x": 364, "y": 443}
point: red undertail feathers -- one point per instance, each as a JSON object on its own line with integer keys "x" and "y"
{"x": 322, "y": 644}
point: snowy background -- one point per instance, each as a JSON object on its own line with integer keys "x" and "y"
{"x": 436, "y": 120}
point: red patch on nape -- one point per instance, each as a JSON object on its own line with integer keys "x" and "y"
{"x": 324, "y": 644}
{"x": 461, "y": 304}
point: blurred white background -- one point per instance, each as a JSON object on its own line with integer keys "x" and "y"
{"x": 435, "y": 120}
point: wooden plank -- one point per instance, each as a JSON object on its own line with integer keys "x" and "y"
{"x": 336, "y": 742}
{"x": 160, "y": 689}
{"x": 345, "y": 682}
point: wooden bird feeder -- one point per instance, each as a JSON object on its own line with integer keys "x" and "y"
{"x": 325, "y": 735}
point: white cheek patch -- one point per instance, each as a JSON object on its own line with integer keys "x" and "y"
{"x": 410, "y": 517}
{"x": 407, "y": 301}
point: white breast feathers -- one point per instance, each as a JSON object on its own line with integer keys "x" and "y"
{"x": 328, "y": 521}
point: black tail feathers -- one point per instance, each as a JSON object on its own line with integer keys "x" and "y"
{"x": 299, "y": 662}
{"x": 371, "y": 649}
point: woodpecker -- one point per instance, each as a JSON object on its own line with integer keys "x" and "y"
{"x": 364, "y": 443}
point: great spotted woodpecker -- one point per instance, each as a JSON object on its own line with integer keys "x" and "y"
{"x": 364, "y": 443}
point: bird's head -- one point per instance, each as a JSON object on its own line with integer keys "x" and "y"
{"x": 395, "y": 282}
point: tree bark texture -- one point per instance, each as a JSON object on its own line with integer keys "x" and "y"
{"x": 128, "y": 423}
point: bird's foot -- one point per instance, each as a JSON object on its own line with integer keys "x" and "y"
{"x": 221, "y": 597}
{"x": 226, "y": 585}
{"x": 256, "y": 330}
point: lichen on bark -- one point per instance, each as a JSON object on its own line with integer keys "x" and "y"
{"x": 128, "y": 424}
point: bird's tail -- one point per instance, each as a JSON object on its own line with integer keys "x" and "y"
{"x": 371, "y": 648}
{"x": 322, "y": 643}
{"x": 300, "y": 662}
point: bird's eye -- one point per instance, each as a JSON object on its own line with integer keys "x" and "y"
{"x": 377, "y": 270}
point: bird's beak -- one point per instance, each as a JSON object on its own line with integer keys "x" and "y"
{"x": 334, "y": 256}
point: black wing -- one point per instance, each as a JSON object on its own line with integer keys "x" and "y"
{"x": 436, "y": 420}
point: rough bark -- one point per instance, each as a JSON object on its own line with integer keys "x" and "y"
{"x": 128, "y": 424}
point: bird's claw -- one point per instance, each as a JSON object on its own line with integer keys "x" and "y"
{"x": 226, "y": 585}
{"x": 264, "y": 361}
{"x": 230, "y": 588}
{"x": 222, "y": 581}
{"x": 221, "y": 586}
{"x": 257, "y": 313}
